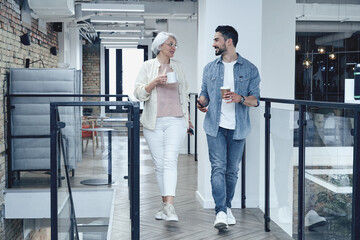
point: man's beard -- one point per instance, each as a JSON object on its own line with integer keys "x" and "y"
{"x": 220, "y": 51}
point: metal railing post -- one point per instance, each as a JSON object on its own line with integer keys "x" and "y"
{"x": 243, "y": 179}
{"x": 267, "y": 117}
{"x": 135, "y": 174}
{"x": 355, "y": 228}
{"x": 54, "y": 170}
{"x": 301, "y": 176}
{"x": 195, "y": 122}
{"x": 195, "y": 107}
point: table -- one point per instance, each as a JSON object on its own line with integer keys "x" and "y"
{"x": 101, "y": 181}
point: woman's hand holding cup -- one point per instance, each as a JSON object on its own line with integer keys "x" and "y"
{"x": 161, "y": 79}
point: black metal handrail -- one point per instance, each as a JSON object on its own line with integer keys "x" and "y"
{"x": 302, "y": 104}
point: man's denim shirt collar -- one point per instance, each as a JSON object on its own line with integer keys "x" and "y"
{"x": 239, "y": 60}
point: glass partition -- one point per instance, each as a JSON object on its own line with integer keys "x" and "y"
{"x": 282, "y": 159}
{"x": 328, "y": 173}
{"x": 68, "y": 154}
{"x": 86, "y": 164}
{"x": 313, "y": 172}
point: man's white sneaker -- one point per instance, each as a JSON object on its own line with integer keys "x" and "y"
{"x": 313, "y": 220}
{"x": 169, "y": 213}
{"x": 230, "y": 217}
{"x": 221, "y": 221}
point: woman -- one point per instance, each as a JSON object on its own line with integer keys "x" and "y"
{"x": 165, "y": 116}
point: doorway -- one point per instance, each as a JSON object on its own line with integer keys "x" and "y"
{"x": 121, "y": 69}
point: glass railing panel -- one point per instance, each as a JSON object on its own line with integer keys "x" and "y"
{"x": 96, "y": 148}
{"x": 282, "y": 158}
{"x": 328, "y": 173}
{"x": 68, "y": 154}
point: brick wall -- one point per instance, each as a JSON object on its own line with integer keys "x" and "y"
{"x": 13, "y": 55}
{"x": 91, "y": 72}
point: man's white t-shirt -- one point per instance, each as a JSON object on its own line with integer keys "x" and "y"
{"x": 227, "y": 117}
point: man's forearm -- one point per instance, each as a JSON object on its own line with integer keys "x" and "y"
{"x": 250, "y": 101}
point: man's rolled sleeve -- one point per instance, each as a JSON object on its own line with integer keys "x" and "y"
{"x": 254, "y": 88}
{"x": 204, "y": 91}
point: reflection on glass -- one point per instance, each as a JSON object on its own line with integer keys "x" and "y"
{"x": 328, "y": 174}
{"x": 86, "y": 145}
{"x": 281, "y": 137}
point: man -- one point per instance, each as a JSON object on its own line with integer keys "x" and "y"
{"x": 227, "y": 120}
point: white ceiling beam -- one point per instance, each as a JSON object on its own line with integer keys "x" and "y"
{"x": 327, "y": 12}
{"x": 307, "y": 26}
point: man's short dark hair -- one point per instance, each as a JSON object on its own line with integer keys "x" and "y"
{"x": 228, "y": 32}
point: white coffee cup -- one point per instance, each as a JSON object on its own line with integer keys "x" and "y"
{"x": 224, "y": 89}
{"x": 171, "y": 77}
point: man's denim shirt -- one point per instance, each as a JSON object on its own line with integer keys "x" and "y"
{"x": 246, "y": 82}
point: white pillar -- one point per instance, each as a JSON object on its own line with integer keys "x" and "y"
{"x": 75, "y": 49}
{"x": 266, "y": 38}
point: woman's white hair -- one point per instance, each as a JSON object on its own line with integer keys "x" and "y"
{"x": 159, "y": 40}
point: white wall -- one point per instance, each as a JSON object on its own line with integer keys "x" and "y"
{"x": 186, "y": 32}
{"x": 266, "y": 38}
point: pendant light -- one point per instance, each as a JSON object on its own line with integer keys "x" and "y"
{"x": 307, "y": 63}
{"x": 297, "y": 45}
{"x": 321, "y": 50}
{"x": 332, "y": 55}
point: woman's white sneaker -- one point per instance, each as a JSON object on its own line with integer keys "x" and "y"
{"x": 169, "y": 213}
{"x": 160, "y": 214}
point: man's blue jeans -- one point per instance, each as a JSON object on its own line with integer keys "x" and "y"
{"x": 225, "y": 155}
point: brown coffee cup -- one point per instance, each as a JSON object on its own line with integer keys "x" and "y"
{"x": 224, "y": 90}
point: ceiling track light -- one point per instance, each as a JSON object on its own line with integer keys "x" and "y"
{"x": 98, "y": 7}
{"x": 118, "y": 36}
{"x": 120, "y": 46}
{"x": 118, "y": 41}
{"x": 110, "y": 19}
{"x": 118, "y": 29}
